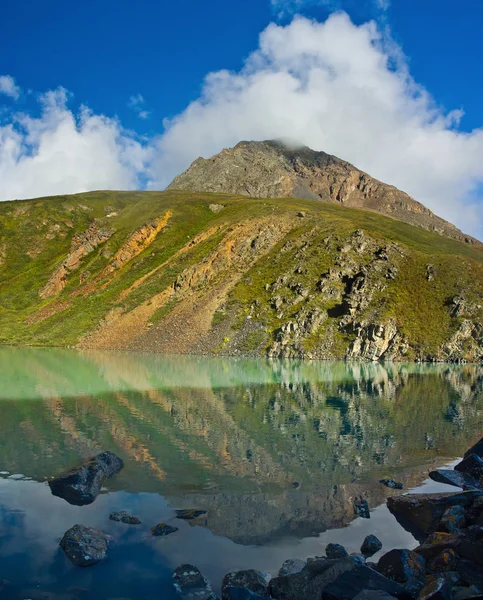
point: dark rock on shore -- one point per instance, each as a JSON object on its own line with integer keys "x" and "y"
{"x": 476, "y": 449}
{"x": 455, "y": 478}
{"x": 361, "y": 579}
{"x": 189, "y": 514}
{"x": 371, "y": 545}
{"x": 124, "y": 517}
{"x": 292, "y": 566}
{"x": 471, "y": 465}
{"x": 191, "y": 584}
{"x": 85, "y": 546}
{"x": 82, "y": 484}
{"x": 251, "y": 580}
{"x": 453, "y": 519}
{"x": 405, "y": 567}
{"x": 390, "y": 483}
{"x": 336, "y": 551}
{"x": 424, "y": 511}
{"x": 163, "y": 529}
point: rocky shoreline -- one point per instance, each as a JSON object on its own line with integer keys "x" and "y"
{"x": 447, "y": 565}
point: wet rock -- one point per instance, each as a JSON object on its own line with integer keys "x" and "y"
{"x": 476, "y": 449}
{"x": 437, "y": 590}
{"x": 163, "y": 529}
{"x": 471, "y": 465}
{"x": 361, "y": 508}
{"x": 336, "y": 551}
{"x": 404, "y": 566}
{"x": 361, "y": 579}
{"x": 252, "y": 580}
{"x": 239, "y": 593}
{"x": 189, "y": 514}
{"x": 359, "y": 559}
{"x": 452, "y": 477}
{"x": 447, "y": 560}
{"x": 453, "y": 520}
{"x": 424, "y": 511}
{"x": 371, "y": 545}
{"x": 390, "y": 483}
{"x": 291, "y": 567}
{"x": 82, "y": 484}
{"x": 191, "y": 584}
{"x": 85, "y": 546}
{"x": 124, "y": 517}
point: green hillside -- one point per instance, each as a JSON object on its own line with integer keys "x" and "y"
{"x": 185, "y": 272}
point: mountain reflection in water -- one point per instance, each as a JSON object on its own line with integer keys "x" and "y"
{"x": 271, "y": 449}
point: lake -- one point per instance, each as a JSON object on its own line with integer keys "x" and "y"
{"x": 274, "y": 451}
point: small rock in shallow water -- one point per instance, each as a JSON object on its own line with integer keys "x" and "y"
{"x": 336, "y": 551}
{"x": 371, "y": 545}
{"x": 82, "y": 484}
{"x": 252, "y": 580}
{"x": 163, "y": 529}
{"x": 390, "y": 483}
{"x": 85, "y": 546}
{"x": 191, "y": 584}
{"x": 292, "y": 566}
{"x": 471, "y": 465}
{"x": 361, "y": 508}
{"x": 188, "y": 514}
{"x": 124, "y": 517}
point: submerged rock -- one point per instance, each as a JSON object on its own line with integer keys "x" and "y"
{"x": 191, "y": 584}
{"x": 452, "y": 477}
{"x": 85, "y": 546}
{"x": 336, "y": 551}
{"x": 363, "y": 579}
{"x": 390, "y": 483}
{"x": 371, "y": 545}
{"x": 189, "y": 514}
{"x": 252, "y": 580}
{"x": 124, "y": 517}
{"x": 163, "y": 529}
{"x": 82, "y": 484}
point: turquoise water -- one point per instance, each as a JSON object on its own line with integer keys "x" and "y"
{"x": 274, "y": 451}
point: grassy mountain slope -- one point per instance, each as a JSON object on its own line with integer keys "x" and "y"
{"x": 205, "y": 273}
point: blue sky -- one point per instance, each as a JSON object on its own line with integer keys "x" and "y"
{"x": 135, "y": 64}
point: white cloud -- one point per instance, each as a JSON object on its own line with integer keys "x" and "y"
{"x": 344, "y": 89}
{"x": 136, "y": 103}
{"x": 60, "y": 152}
{"x": 8, "y": 87}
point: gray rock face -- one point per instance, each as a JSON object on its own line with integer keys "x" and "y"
{"x": 82, "y": 484}
{"x": 85, "y": 546}
{"x": 191, "y": 584}
{"x": 124, "y": 517}
{"x": 252, "y": 580}
{"x": 456, "y": 478}
{"x": 270, "y": 169}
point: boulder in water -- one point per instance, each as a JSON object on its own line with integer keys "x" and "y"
{"x": 85, "y": 546}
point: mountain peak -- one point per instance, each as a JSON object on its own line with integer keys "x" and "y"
{"x": 280, "y": 168}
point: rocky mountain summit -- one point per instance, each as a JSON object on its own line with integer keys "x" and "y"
{"x": 271, "y": 169}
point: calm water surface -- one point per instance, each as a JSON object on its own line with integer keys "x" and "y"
{"x": 274, "y": 451}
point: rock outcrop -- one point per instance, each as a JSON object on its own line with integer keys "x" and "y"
{"x": 270, "y": 169}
